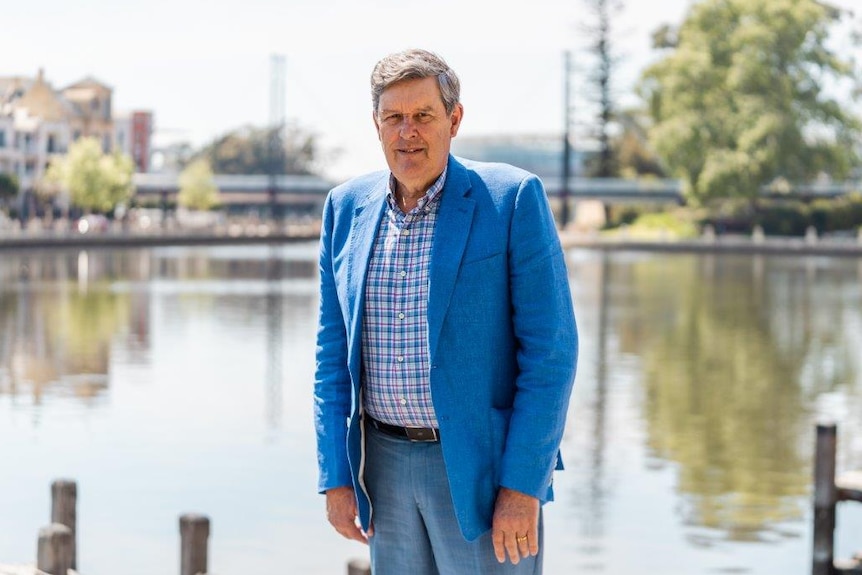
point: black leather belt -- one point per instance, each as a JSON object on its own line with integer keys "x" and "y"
{"x": 417, "y": 434}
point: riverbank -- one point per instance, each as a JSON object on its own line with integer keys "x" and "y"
{"x": 234, "y": 234}
{"x": 266, "y": 233}
{"x": 810, "y": 245}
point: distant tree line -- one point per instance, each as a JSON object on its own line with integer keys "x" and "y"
{"x": 745, "y": 94}
{"x": 263, "y": 150}
{"x": 98, "y": 182}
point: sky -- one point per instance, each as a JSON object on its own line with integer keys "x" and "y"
{"x": 203, "y": 67}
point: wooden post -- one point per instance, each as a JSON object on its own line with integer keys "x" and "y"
{"x": 64, "y": 502}
{"x": 358, "y": 567}
{"x": 54, "y": 554}
{"x": 824, "y": 500}
{"x": 194, "y": 534}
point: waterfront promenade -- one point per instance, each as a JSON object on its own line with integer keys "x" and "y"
{"x": 257, "y": 232}
{"x": 247, "y": 231}
{"x": 740, "y": 244}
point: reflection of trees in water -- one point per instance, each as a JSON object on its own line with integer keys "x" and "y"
{"x": 723, "y": 394}
{"x": 60, "y": 312}
{"x": 56, "y": 335}
{"x": 586, "y": 445}
{"x": 274, "y": 329}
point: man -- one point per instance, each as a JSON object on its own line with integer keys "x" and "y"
{"x": 446, "y": 347}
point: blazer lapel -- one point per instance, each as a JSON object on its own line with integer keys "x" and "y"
{"x": 363, "y": 232}
{"x": 450, "y": 238}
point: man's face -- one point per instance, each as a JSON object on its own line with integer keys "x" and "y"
{"x": 415, "y": 131}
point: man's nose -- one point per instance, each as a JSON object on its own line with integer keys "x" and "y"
{"x": 407, "y": 129}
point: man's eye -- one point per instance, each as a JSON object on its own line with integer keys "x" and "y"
{"x": 392, "y": 118}
{"x": 423, "y": 117}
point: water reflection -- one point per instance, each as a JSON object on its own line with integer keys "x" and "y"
{"x": 62, "y": 315}
{"x": 727, "y": 358}
{"x": 56, "y": 331}
{"x": 184, "y": 375}
{"x": 274, "y": 339}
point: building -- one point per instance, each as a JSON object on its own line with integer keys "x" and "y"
{"x": 34, "y": 120}
{"x": 133, "y": 133}
{"x": 574, "y": 194}
{"x": 539, "y": 154}
{"x": 91, "y": 117}
{"x": 39, "y": 122}
{"x": 142, "y": 135}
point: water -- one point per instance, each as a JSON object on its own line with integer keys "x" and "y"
{"x": 179, "y": 379}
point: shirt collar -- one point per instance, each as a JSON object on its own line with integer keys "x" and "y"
{"x": 432, "y": 194}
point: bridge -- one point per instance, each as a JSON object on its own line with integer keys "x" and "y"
{"x": 812, "y": 191}
{"x": 294, "y": 193}
{"x": 305, "y": 194}
{"x": 654, "y": 190}
{"x": 618, "y": 190}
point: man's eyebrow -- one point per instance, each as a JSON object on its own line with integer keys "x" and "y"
{"x": 392, "y": 111}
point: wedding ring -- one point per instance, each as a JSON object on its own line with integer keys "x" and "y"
{"x": 520, "y": 539}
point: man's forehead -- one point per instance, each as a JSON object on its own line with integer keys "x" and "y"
{"x": 401, "y": 94}
{"x": 399, "y": 106}
{"x": 428, "y": 88}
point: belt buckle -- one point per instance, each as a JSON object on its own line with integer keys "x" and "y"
{"x": 420, "y": 434}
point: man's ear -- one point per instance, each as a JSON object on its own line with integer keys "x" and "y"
{"x": 455, "y": 118}
{"x": 376, "y": 124}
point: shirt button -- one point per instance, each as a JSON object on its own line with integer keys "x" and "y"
{"x": 403, "y": 274}
{"x": 400, "y": 316}
{"x": 400, "y": 358}
{"x": 405, "y": 232}
{"x": 403, "y": 401}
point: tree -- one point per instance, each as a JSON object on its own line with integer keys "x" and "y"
{"x": 634, "y": 157}
{"x": 8, "y": 187}
{"x": 95, "y": 181}
{"x": 741, "y": 97}
{"x": 600, "y": 85}
{"x": 197, "y": 186}
{"x": 250, "y": 150}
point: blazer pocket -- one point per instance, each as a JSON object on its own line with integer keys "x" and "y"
{"x": 481, "y": 259}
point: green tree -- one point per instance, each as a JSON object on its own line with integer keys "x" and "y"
{"x": 8, "y": 187}
{"x": 631, "y": 147}
{"x": 741, "y": 97}
{"x": 600, "y": 84}
{"x": 95, "y": 181}
{"x": 197, "y": 186}
{"x": 255, "y": 150}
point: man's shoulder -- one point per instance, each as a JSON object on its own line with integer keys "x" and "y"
{"x": 361, "y": 183}
{"x": 358, "y": 188}
{"x": 495, "y": 171}
{"x": 498, "y": 179}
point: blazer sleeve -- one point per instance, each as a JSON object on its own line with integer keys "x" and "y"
{"x": 332, "y": 386}
{"x": 545, "y": 330}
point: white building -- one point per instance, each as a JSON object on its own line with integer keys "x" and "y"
{"x": 38, "y": 123}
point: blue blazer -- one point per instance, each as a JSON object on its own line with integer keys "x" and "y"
{"x": 501, "y": 334}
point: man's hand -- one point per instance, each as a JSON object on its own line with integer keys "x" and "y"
{"x": 515, "y": 527}
{"x": 341, "y": 513}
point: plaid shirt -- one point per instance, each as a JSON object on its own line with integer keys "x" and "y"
{"x": 395, "y": 358}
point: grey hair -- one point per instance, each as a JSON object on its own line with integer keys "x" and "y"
{"x": 415, "y": 64}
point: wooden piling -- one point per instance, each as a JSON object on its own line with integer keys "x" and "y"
{"x": 358, "y": 567}
{"x": 849, "y": 566}
{"x": 194, "y": 536}
{"x": 64, "y": 501}
{"x": 824, "y": 500}
{"x": 54, "y": 554}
